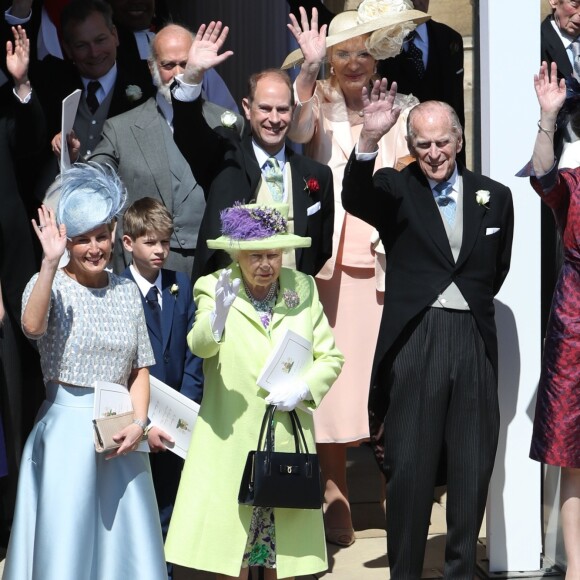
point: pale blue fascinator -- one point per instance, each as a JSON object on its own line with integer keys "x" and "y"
{"x": 91, "y": 195}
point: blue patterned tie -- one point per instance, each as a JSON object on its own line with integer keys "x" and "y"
{"x": 275, "y": 179}
{"x": 442, "y": 192}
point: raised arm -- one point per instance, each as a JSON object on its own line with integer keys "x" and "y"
{"x": 379, "y": 115}
{"x": 17, "y": 61}
{"x": 551, "y": 95}
{"x": 205, "y": 152}
{"x": 312, "y": 42}
{"x": 53, "y": 240}
{"x": 205, "y": 51}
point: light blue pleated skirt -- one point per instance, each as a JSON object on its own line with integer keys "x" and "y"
{"x": 78, "y": 516}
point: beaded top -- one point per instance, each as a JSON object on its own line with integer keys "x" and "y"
{"x": 92, "y": 333}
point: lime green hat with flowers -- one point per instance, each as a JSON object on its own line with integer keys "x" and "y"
{"x": 256, "y": 227}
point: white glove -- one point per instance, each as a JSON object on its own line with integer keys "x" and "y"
{"x": 226, "y": 291}
{"x": 287, "y": 395}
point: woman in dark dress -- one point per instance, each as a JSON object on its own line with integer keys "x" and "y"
{"x": 556, "y": 437}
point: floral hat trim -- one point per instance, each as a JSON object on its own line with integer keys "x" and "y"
{"x": 252, "y": 223}
{"x": 255, "y": 227}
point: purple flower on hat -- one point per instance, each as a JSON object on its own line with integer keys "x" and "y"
{"x": 242, "y": 223}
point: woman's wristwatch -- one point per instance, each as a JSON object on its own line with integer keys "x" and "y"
{"x": 145, "y": 425}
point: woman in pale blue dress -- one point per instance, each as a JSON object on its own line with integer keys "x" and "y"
{"x": 81, "y": 515}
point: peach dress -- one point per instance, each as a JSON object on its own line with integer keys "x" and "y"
{"x": 351, "y": 283}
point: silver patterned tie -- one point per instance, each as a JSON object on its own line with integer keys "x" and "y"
{"x": 275, "y": 179}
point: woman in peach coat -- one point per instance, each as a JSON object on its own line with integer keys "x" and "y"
{"x": 328, "y": 121}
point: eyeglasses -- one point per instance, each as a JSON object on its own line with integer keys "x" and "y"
{"x": 359, "y": 56}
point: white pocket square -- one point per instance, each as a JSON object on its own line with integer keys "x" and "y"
{"x": 490, "y": 231}
{"x": 313, "y": 209}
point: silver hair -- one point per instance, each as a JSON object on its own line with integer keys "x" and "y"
{"x": 456, "y": 128}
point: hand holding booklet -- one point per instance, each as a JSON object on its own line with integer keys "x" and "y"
{"x": 288, "y": 361}
{"x": 169, "y": 410}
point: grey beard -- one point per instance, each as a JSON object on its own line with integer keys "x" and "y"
{"x": 163, "y": 89}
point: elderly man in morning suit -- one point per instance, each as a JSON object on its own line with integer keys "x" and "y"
{"x": 140, "y": 146}
{"x": 259, "y": 166}
{"x": 448, "y": 235}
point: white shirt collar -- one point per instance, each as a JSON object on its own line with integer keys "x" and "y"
{"x": 107, "y": 83}
{"x": 144, "y": 285}
{"x": 453, "y": 180}
{"x": 566, "y": 39}
{"x": 262, "y": 156}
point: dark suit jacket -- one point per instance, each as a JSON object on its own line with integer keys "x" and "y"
{"x": 58, "y": 79}
{"x": 443, "y": 80}
{"x": 22, "y": 133}
{"x": 175, "y": 364}
{"x": 227, "y": 168}
{"x": 129, "y": 58}
{"x": 420, "y": 264}
{"x": 552, "y": 48}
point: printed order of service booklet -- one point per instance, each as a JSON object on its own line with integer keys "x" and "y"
{"x": 169, "y": 410}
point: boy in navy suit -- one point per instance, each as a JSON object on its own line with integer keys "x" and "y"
{"x": 169, "y": 312}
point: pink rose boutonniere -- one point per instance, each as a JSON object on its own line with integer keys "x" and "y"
{"x": 311, "y": 185}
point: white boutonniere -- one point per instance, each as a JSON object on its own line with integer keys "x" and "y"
{"x": 133, "y": 93}
{"x": 482, "y": 197}
{"x": 174, "y": 290}
{"x": 228, "y": 119}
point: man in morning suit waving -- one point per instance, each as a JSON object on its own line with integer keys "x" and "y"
{"x": 433, "y": 395}
{"x": 259, "y": 167}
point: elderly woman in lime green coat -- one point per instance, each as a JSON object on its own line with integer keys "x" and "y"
{"x": 209, "y": 530}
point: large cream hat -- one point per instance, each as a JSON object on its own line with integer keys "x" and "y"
{"x": 389, "y": 20}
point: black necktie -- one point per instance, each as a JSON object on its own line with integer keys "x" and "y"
{"x": 415, "y": 54}
{"x": 92, "y": 101}
{"x": 153, "y": 302}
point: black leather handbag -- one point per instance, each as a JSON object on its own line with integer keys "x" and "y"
{"x": 281, "y": 480}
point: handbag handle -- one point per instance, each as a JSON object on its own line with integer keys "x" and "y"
{"x": 268, "y": 426}
{"x": 268, "y": 420}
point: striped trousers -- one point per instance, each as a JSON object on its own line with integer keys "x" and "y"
{"x": 443, "y": 413}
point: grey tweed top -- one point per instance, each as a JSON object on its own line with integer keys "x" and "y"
{"x": 93, "y": 333}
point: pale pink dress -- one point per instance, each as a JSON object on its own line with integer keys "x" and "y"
{"x": 351, "y": 283}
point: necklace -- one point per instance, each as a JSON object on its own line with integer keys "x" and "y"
{"x": 264, "y": 304}
{"x": 264, "y": 307}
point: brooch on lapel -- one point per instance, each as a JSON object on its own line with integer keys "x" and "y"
{"x": 311, "y": 185}
{"x": 133, "y": 93}
{"x": 174, "y": 290}
{"x": 291, "y": 298}
{"x": 482, "y": 197}
{"x": 228, "y": 119}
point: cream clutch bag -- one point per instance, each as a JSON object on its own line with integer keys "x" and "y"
{"x": 106, "y": 427}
